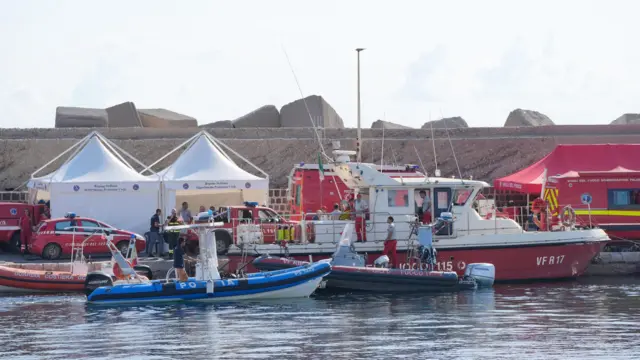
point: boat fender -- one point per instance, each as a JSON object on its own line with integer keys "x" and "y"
{"x": 96, "y": 279}
{"x": 568, "y": 216}
{"x": 381, "y": 262}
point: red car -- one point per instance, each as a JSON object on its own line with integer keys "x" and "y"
{"x": 54, "y": 238}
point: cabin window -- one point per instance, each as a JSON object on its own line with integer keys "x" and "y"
{"x": 624, "y": 199}
{"x": 461, "y": 196}
{"x": 398, "y": 198}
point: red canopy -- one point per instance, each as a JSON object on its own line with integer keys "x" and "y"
{"x": 566, "y": 158}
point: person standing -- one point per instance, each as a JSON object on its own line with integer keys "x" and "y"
{"x": 26, "y": 229}
{"x": 185, "y": 213}
{"x": 360, "y": 208}
{"x": 154, "y": 234}
{"x": 391, "y": 243}
{"x": 172, "y": 234}
{"x": 178, "y": 261}
{"x": 426, "y": 207}
{"x": 335, "y": 214}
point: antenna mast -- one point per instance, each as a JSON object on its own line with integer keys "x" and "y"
{"x": 384, "y": 116}
{"x": 433, "y": 142}
{"x": 359, "y": 132}
{"x": 444, "y": 121}
{"x": 315, "y": 129}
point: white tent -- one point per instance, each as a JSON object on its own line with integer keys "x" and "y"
{"x": 206, "y": 174}
{"x": 97, "y": 182}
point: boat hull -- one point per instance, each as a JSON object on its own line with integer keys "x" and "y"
{"x": 548, "y": 261}
{"x": 300, "y": 281}
{"x": 378, "y": 280}
{"x": 17, "y": 280}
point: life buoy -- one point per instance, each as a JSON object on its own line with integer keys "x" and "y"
{"x": 568, "y": 216}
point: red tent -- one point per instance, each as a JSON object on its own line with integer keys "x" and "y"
{"x": 566, "y": 158}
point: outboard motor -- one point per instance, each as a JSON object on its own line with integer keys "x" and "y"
{"x": 427, "y": 254}
{"x": 483, "y": 273}
{"x": 144, "y": 270}
{"x": 381, "y": 262}
{"x": 444, "y": 224}
{"x": 345, "y": 254}
{"x": 96, "y": 279}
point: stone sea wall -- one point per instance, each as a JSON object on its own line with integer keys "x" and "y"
{"x": 484, "y": 153}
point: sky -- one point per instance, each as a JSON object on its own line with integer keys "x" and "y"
{"x": 578, "y": 62}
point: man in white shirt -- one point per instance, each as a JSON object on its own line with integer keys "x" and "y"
{"x": 391, "y": 243}
{"x": 335, "y": 214}
{"x": 185, "y": 213}
{"x": 426, "y": 207}
{"x": 360, "y": 208}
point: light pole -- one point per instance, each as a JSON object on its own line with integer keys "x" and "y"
{"x": 359, "y": 133}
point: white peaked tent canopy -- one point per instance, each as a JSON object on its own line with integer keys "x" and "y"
{"x": 204, "y": 168}
{"x": 97, "y": 182}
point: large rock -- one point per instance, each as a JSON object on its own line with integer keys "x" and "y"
{"x": 124, "y": 115}
{"x": 446, "y": 123}
{"x": 381, "y": 124}
{"x": 266, "y": 116}
{"x": 226, "y": 124}
{"x": 67, "y": 117}
{"x": 520, "y": 117}
{"x": 627, "y": 119}
{"x": 163, "y": 118}
{"x": 295, "y": 114}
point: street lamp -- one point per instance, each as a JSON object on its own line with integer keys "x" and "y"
{"x": 359, "y": 132}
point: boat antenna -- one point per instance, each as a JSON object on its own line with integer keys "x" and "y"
{"x": 444, "y": 121}
{"x": 421, "y": 164}
{"x": 393, "y": 154}
{"x": 304, "y": 100}
{"x": 384, "y": 116}
{"x": 433, "y": 142}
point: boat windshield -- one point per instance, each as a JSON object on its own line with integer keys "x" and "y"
{"x": 461, "y": 196}
{"x": 345, "y": 238}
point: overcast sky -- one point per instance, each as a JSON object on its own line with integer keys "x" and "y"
{"x": 575, "y": 61}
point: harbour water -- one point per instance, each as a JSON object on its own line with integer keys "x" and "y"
{"x": 592, "y": 318}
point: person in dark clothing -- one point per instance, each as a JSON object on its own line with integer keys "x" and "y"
{"x": 173, "y": 234}
{"x": 178, "y": 260}
{"x": 154, "y": 234}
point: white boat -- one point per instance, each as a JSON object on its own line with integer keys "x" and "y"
{"x": 463, "y": 236}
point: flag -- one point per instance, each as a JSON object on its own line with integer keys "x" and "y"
{"x": 320, "y": 167}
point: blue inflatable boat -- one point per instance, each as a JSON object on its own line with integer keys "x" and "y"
{"x": 295, "y": 282}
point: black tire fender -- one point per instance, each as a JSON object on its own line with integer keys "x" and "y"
{"x": 226, "y": 237}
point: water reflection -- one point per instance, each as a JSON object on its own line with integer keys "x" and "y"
{"x": 584, "y": 319}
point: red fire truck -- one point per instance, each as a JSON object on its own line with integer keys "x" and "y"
{"x": 608, "y": 199}
{"x": 10, "y": 214}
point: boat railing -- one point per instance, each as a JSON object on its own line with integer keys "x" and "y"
{"x": 560, "y": 217}
{"x": 317, "y": 227}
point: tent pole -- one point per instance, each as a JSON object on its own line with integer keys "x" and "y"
{"x": 83, "y": 140}
{"x": 215, "y": 142}
{"x": 241, "y": 157}
{"x": 114, "y": 145}
{"x": 148, "y": 168}
{"x": 109, "y": 146}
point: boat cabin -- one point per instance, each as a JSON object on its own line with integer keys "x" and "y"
{"x": 399, "y": 196}
{"x": 309, "y": 190}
